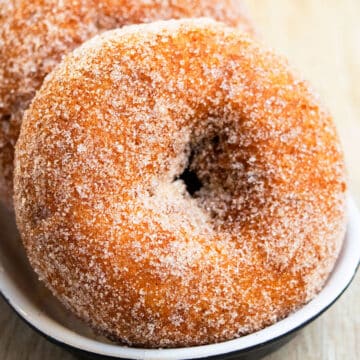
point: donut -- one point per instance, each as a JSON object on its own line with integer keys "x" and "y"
{"x": 177, "y": 184}
{"x": 34, "y": 36}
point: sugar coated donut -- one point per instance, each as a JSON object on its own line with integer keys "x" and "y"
{"x": 176, "y": 184}
{"x": 34, "y": 36}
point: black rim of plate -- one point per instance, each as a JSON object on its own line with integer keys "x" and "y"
{"x": 218, "y": 356}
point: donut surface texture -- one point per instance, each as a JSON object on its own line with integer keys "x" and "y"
{"x": 35, "y": 35}
{"x": 102, "y": 189}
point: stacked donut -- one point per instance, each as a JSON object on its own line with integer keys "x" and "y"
{"x": 175, "y": 183}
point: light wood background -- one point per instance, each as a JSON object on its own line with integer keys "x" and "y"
{"x": 322, "y": 38}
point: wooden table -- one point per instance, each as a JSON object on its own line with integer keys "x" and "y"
{"x": 322, "y": 38}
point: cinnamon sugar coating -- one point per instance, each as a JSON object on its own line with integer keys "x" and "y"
{"x": 36, "y": 34}
{"x": 104, "y": 214}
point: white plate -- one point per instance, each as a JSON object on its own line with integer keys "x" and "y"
{"x": 28, "y": 297}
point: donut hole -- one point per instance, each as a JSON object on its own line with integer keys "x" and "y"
{"x": 191, "y": 181}
{"x": 219, "y": 164}
{"x": 210, "y": 144}
{"x": 206, "y": 171}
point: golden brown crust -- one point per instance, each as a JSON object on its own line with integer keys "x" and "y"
{"x": 34, "y": 36}
{"x": 108, "y": 224}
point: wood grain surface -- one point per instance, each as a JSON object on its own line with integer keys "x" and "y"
{"x": 322, "y": 39}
